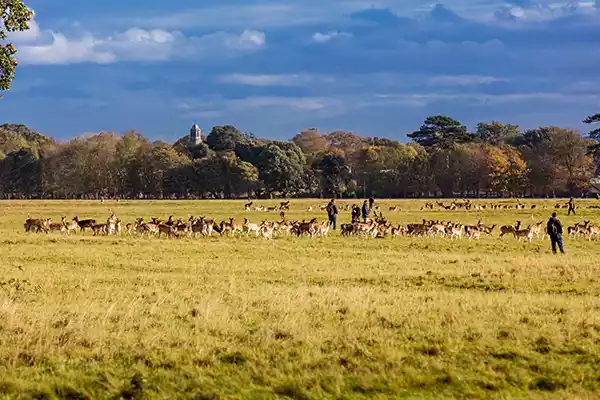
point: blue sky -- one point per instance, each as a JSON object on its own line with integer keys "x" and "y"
{"x": 377, "y": 68}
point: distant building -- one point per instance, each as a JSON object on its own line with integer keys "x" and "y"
{"x": 195, "y": 136}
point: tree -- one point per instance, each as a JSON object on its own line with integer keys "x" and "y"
{"x": 558, "y": 160}
{"x": 15, "y": 17}
{"x": 440, "y": 132}
{"x": 20, "y": 173}
{"x": 507, "y": 169}
{"x": 496, "y": 133}
{"x": 592, "y": 119}
{"x": 594, "y": 149}
{"x": 224, "y": 138}
{"x": 334, "y": 171}
{"x": 311, "y": 142}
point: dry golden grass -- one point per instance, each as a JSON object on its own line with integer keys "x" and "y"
{"x": 126, "y": 317}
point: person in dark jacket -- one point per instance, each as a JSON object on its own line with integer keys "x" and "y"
{"x": 332, "y": 212}
{"x": 571, "y": 207}
{"x": 555, "y": 231}
{"x": 355, "y": 213}
{"x": 366, "y": 211}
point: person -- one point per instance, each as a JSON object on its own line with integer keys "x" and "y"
{"x": 355, "y": 213}
{"x": 365, "y": 212}
{"x": 571, "y": 207}
{"x": 555, "y": 231}
{"x": 371, "y": 202}
{"x": 332, "y": 212}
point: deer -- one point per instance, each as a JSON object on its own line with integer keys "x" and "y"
{"x": 83, "y": 224}
{"x": 484, "y": 228}
{"x": 308, "y": 228}
{"x": 267, "y": 230}
{"x": 472, "y": 232}
{"x": 36, "y": 225}
{"x": 248, "y": 206}
{"x": 149, "y": 228}
{"x": 167, "y": 230}
{"x": 248, "y": 227}
{"x": 524, "y": 233}
{"x": 510, "y": 229}
{"x": 455, "y": 231}
{"x": 536, "y": 229}
{"x": 284, "y": 205}
{"x": 99, "y": 229}
{"x": 593, "y": 232}
{"x": 58, "y": 227}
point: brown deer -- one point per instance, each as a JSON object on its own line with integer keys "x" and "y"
{"x": 84, "y": 224}
{"x": 510, "y": 229}
{"x": 59, "y": 227}
{"x": 36, "y": 225}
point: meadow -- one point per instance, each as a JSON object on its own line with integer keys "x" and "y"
{"x": 345, "y": 318}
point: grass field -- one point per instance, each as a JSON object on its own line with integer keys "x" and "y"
{"x": 127, "y": 317}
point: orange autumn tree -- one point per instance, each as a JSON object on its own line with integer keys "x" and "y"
{"x": 508, "y": 170}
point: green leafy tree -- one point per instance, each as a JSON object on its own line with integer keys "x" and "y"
{"x": 496, "y": 133}
{"x": 440, "y": 132}
{"x": 334, "y": 172}
{"x": 15, "y": 16}
{"x": 594, "y": 148}
{"x": 224, "y": 138}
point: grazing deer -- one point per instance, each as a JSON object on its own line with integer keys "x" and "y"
{"x": 322, "y": 229}
{"x": 308, "y": 228}
{"x": 510, "y": 229}
{"x": 284, "y": 205}
{"x": 487, "y": 229}
{"x": 58, "y": 227}
{"x": 99, "y": 229}
{"x": 455, "y": 231}
{"x": 144, "y": 228}
{"x": 524, "y": 233}
{"x": 437, "y": 229}
{"x": 267, "y": 230}
{"x": 472, "y": 232}
{"x": 593, "y": 232}
{"x": 248, "y": 227}
{"x": 36, "y": 225}
{"x": 167, "y": 230}
{"x": 248, "y": 206}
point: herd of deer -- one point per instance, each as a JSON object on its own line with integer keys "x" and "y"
{"x": 376, "y": 228}
{"x": 172, "y": 228}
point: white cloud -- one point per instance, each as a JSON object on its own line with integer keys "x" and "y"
{"x": 266, "y": 104}
{"x": 464, "y": 80}
{"x": 273, "y": 80}
{"x": 326, "y": 37}
{"x": 135, "y": 44}
{"x": 248, "y": 40}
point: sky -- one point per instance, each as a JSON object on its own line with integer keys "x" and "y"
{"x": 274, "y": 68}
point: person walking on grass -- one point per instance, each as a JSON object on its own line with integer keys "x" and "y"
{"x": 366, "y": 211}
{"x": 555, "y": 231}
{"x": 571, "y": 207}
{"x": 332, "y": 212}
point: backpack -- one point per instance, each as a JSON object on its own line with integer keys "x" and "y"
{"x": 552, "y": 229}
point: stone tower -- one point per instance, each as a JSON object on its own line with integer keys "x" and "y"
{"x": 195, "y": 136}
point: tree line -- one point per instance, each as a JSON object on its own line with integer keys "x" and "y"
{"x": 443, "y": 159}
